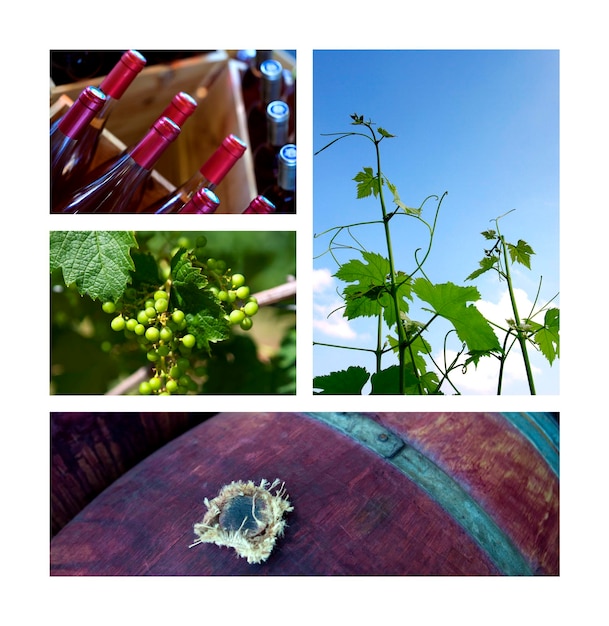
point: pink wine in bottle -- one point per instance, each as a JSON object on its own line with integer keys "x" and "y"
{"x": 203, "y": 201}
{"x": 66, "y": 133}
{"x": 113, "y": 190}
{"x": 113, "y": 86}
{"x": 260, "y": 205}
{"x": 209, "y": 175}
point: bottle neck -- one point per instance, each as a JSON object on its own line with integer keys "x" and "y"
{"x": 80, "y": 114}
{"x": 221, "y": 161}
{"x": 122, "y": 74}
{"x": 181, "y": 107}
{"x": 147, "y": 152}
{"x": 204, "y": 201}
{"x": 286, "y": 174}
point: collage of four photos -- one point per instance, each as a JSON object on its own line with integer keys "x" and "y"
{"x": 419, "y": 257}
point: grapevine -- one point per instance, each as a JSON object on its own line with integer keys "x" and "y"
{"x": 161, "y": 328}
{"x": 169, "y": 309}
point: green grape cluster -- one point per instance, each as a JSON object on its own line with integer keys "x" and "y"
{"x": 162, "y": 330}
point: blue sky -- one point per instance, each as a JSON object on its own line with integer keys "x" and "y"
{"x": 480, "y": 125}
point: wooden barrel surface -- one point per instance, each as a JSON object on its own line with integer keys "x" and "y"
{"x": 91, "y": 450}
{"x": 373, "y": 494}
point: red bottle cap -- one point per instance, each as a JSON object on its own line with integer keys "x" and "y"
{"x": 221, "y": 161}
{"x": 204, "y": 201}
{"x": 122, "y": 74}
{"x": 260, "y": 204}
{"x": 150, "y": 148}
{"x": 78, "y": 116}
{"x": 181, "y": 107}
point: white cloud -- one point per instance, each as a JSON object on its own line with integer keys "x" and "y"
{"x": 327, "y": 314}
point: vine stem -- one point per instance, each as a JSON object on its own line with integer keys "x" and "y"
{"x": 265, "y": 298}
{"x": 521, "y": 338}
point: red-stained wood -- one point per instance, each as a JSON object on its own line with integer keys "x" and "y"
{"x": 91, "y": 450}
{"x": 354, "y": 513}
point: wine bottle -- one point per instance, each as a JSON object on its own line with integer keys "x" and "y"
{"x": 203, "y": 201}
{"x": 260, "y": 204}
{"x": 250, "y": 81}
{"x": 283, "y": 192}
{"x": 265, "y": 157}
{"x": 115, "y": 189}
{"x": 66, "y": 133}
{"x": 181, "y": 107}
{"x": 209, "y": 175}
{"x": 270, "y": 90}
{"x": 113, "y": 86}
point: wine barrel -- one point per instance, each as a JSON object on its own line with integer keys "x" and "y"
{"x": 371, "y": 494}
{"x": 91, "y": 450}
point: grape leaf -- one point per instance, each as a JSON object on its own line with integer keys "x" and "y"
{"x": 98, "y": 263}
{"x": 521, "y": 253}
{"x": 369, "y": 278}
{"x": 384, "y": 133}
{"x": 450, "y": 301}
{"x": 204, "y": 314}
{"x": 398, "y": 202}
{"x": 547, "y": 336}
{"x": 345, "y": 382}
{"x": 367, "y": 183}
{"x": 486, "y": 264}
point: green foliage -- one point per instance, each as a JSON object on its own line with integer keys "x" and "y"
{"x": 164, "y": 303}
{"x": 375, "y": 288}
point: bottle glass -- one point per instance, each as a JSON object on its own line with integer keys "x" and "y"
{"x": 113, "y": 86}
{"x": 265, "y": 157}
{"x": 115, "y": 190}
{"x": 270, "y": 90}
{"x": 66, "y": 133}
{"x": 283, "y": 192}
{"x": 250, "y": 81}
{"x": 260, "y": 204}
{"x": 209, "y": 175}
{"x": 203, "y": 201}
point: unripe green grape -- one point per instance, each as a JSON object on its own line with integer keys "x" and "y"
{"x": 220, "y": 266}
{"x": 183, "y": 363}
{"x": 250, "y": 308}
{"x": 165, "y": 333}
{"x": 152, "y": 356}
{"x": 177, "y": 316}
{"x": 211, "y": 264}
{"x": 151, "y": 311}
{"x": 159, "y": 295}
{"x": 246, "y": 323}
{"x": 139, "y": 330}
{"x": 163, "y": 350}
{"x": 149, "y": 302}
{"x": 118, "y": 323}
{"x": 152, "y": 334}
{"x": 145, "y": 388}
{"x": 184, "y": 381}
{"x": 200, "y": 371}
{"x": 243, "y": 292}
{"x": 188, "y": 341}
{"x": 199, "y": 252}
{"x": 232, "y": 295}
{"x": 109, "y": 307}
{"x": 236, "y": 316}
{"x": 155, "y": 383}
{"x": 184, "y": 242}
{"x": 201, "y": 241}
{"x": 175, "y": 372}
{"x": 223, "y": 295}
{"x": 238, "y": 280}
{"x": 130, "y": 324}
{"x": 142, "y": 318}
{"x": 171, "y": 386}
{"x": 161, "y": 305}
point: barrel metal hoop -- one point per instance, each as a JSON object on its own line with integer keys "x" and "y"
{"x": 441, "y": 487}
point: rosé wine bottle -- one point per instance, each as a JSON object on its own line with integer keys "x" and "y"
{"x": 266, "y": 155}
{"x": 270, "y": 90}
{"x": 203, "y": 201}
{"x": 113, "y": 86}
{"x": 260, "y": 205}
{"x": 209, "y": 175}
{"x": 66, "y": 133}
{"x": 115, "y": 190}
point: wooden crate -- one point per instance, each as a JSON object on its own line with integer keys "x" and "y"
{"x": 214, "y": 81}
